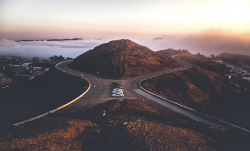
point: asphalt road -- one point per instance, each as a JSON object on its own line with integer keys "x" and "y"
{"x": 100, "y": 92}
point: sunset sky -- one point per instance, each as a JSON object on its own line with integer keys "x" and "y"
{"x": 138, "y": 19}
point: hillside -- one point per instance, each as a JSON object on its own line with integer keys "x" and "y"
{"x": 128, "y": 125}
{"x": 204, "y": 91}
{"x": 34, "y": 97}
{"x": 171, "y": 52}
{"x": 121, "y": 59}
{"x": 198, "y": 59}
{"x": 234, "y": 58}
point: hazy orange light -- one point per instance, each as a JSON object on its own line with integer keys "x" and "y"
{"x": 236, "y": 11}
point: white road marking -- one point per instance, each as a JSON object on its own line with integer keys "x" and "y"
{"x": 72, "y": 110}
{"x": 194, "y": 119}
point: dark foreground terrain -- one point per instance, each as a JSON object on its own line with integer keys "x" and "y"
{"x": 45, "y": 92}
{"x": 128, "y": 125}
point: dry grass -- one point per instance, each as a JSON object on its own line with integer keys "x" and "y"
{"x": 122, "y": 59}
{"x": 128, "y": 125}
{"x": 51, "y": 134}
{"x": 204, "y": 91}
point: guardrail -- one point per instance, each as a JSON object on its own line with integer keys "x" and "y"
{"x": 52, "y": 111}
{"x": 192, "y": 110}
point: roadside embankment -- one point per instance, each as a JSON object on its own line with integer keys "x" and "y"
{"x": 46, "y": 92}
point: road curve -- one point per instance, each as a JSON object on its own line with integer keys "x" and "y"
{"x": 100, "y": 92}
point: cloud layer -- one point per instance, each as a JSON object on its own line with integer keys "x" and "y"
{"x": 207, "y": 42}
{"x": 44, "y": 49}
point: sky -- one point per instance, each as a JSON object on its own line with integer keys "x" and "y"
{"x": 206, "y": 26}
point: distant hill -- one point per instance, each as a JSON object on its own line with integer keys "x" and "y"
{"x": 197, "y": 59}
{"x": 122, "y": 59}
{"x": 234, "y": 58}
{"x": 171, "y": 52}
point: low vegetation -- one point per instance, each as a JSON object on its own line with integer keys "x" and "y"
{"x": 234, "y": 58}
{"x": 204, "y": 91}
{"x": 34, "y": 97}
{"x": 121, "y": 59}
{"x": 197, "y": 59}
{"x": 204, "y": 62}
{"x": 128, "y": 125}
{"x": 172, "y": 52}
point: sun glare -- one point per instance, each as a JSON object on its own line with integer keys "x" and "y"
{"x": 236, "y": 11}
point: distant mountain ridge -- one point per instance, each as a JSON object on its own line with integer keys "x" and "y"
{"x": 234, "y": 58}
{"x": 52, "y": 39}
{"x": 122, "y": 59}
{"x": 171, "y": 52}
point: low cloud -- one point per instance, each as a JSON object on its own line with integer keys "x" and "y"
{"x": 45, "y": 49}
{"x": 207, "y": 42}
{"x": 157, "y": 38}
{"x": 215, "y": 41}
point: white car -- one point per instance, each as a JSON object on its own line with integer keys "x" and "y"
{"x": 117, "y": 91}
{"x": 116, "y": 94}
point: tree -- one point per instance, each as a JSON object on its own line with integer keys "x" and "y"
{"x": 51, "y": 58}
{"x": 243, "y": 83}
{"x": 35, "y": 59}
{"x": 68, "y": 58}
{"x": 212, "y": 56}
{"x": 55, "y": 57}
{"x": 61, "y": 57}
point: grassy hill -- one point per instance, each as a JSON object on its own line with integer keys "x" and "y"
{"x": 204, "y": 91}
{"x": 171, "y": 52}
{"x": 128, "y": 125}
{"x": 122, "y": 59}
{"x": 45, "y": 92}
{"x": 234, "y": 58}
{"x": 198, "y": 59}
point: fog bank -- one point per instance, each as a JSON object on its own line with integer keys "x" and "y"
{"x": 207, "y": 42}
{"x": 45, "y": 49}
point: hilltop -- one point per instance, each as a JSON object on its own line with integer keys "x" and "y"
{"x": 122, "y": 59}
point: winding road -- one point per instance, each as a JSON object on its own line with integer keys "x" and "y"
{"x": 100, "y": 91}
